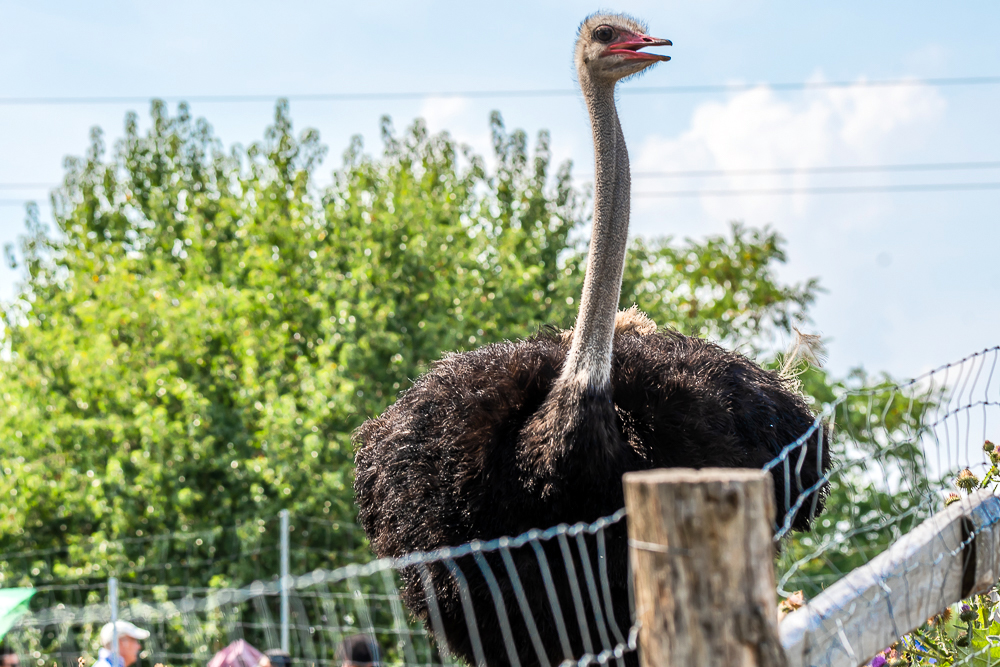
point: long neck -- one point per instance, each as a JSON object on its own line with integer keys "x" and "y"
{"x": 588, "y": 363}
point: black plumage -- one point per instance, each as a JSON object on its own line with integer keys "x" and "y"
{"x": 458, "y": 457}
{"x": 535, "y": 433}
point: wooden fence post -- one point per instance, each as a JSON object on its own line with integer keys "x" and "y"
{"x": 702, "y": 562}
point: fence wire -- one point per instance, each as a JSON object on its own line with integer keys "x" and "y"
{"x": 188, "y": 625}
{"x": 551, "y": 597}
{"x": 901, "y": 454}
{"x": 897, "y": 451}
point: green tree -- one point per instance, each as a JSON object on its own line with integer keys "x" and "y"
{"x": 196, "y": 340}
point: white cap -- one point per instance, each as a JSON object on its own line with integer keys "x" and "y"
{"x": 125, "y": 629}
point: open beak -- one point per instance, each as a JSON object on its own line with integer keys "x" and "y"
{"x": 631, "y": 43}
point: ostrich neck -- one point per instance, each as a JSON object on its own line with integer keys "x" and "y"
{"x": 588, "y": 363}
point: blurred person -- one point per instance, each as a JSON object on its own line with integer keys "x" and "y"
{"x": 278, "y": 658}
{"x": 358, "y": 651}
{"x": 8, "y": 657}
{"x": 129, "y": 637}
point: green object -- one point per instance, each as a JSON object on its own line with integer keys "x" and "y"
{"x": 13, "y": 605}
{"x": 220, "y": 329}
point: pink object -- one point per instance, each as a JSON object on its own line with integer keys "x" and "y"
{"x": 238, "y": 654}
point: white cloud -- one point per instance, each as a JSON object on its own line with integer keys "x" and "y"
{"x": 873, "y": 313}
{"x": 761, "y": 129}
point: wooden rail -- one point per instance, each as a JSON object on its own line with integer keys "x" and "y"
{"x": 947, "y": 558}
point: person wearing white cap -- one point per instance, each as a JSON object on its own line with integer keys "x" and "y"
{"x": 129, "y": 637}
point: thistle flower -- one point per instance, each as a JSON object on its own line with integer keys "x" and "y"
{"x": 884, "y": 658}
{"x": 790, "y": 604}
{"x": 968, "y": 614}
{"x": 952, "y": 498}
{"x": 988, "y": 446}
{"x": 967, "y": 481}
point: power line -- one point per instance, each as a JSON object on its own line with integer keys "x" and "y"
{"x": 836, "y": 190}
{"x": 26, "y": 186}
{"x": 523, "y": 93}
{"x": 689, "y": 173}
{"x": 848, "y": 169}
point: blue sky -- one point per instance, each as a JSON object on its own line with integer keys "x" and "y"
{"x": 912, "y": 279}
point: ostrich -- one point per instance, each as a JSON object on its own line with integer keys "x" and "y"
{"x": 534, "y": 433}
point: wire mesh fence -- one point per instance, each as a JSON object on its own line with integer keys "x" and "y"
{"x": 903, "y": 453}
{"x": 899, "y": 450}
{"x": 561, "y": 596}
{"x": 237, "y": 553}
{"x": 188, "y": 625}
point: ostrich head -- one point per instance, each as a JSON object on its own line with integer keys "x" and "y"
{"x": 607, "y": 47}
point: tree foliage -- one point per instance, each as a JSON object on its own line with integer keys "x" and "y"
{"x": 196, "y": 340}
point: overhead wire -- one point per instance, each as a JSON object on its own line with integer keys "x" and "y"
{"x": 835, "y": 169}
{"x": 695, "y": 173}
{"x": 830, "y": 169}
{"x": 25, "y": 186}
{"x": 750, "y": 192}
{"x": 830, "y": 190}
{"x": 515, "y": 93}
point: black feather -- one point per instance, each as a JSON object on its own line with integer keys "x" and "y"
{"x": 486, "y": 445}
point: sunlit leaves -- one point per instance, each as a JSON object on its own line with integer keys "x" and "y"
{"x": 198, "y": 338}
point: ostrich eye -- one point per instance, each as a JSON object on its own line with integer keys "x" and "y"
{"x": 604, "y": 33}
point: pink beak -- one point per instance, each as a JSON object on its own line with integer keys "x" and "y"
{"x": 630, "y": 44}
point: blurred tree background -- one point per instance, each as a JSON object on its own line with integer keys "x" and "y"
{"x": 195, "y": 341}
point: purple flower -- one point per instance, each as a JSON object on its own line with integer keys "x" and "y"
{"x": 878, "y": 661}
{"x": 966, "y": 607}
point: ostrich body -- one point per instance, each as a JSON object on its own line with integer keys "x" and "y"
{"x": 538, "y": 432}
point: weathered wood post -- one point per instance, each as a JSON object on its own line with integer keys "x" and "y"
{"x": 702, "y": 558}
